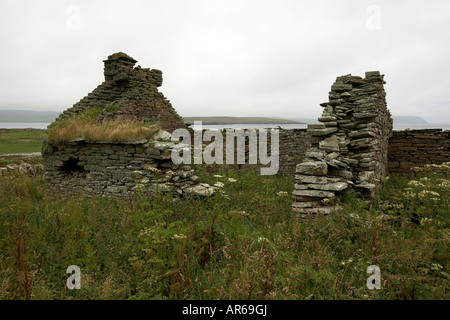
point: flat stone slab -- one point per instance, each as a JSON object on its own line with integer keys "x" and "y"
{"x": 315, "y": 180}
{"x": 322, "y": 132}
{"x": 313, "y": 193}
{"x": 313, "y": 168}
{"x": 338, "y": 186}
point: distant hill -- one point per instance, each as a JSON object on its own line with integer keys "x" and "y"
{"x": 50, "y": 116}
{"x": 408, "y": 120}
{"x": 240, "y": 120}
{"x": 27, "y": 116}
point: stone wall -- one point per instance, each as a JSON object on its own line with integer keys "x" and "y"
{"x": 407, "y": 149}
{"x": 293, "y": 144}
{"x": 24, "y": 168}
{"x": 129, "y": 93}
{"x": 118, "y": 169}
{"x": 416, "y": 148}
{"x": 349, "y": 145}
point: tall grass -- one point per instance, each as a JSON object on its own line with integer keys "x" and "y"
{"x": 242, "y": 243}
{"x": 85, "y": 126}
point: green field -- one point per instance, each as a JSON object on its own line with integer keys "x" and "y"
{"x": 242, "y": 243}
{"x": 21, "y": 140}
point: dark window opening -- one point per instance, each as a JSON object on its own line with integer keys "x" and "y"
{"x": 72, "y": 165}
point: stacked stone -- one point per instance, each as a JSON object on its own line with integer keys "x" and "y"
{"x": 349, "y": 145}
{"x": 119, "y": 169}
{"x": 416, "y": 148}
{"x": 293, "y": 144}
{"x": 24, "y": 168}
{"x": 129, "y": 93}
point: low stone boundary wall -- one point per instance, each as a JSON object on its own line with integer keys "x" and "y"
{"x": 416, "y": 148}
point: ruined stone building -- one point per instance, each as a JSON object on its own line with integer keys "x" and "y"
{"x": 349, "y": 145}
{"x": 352, "y": 146}
{"x": 129, "y": 92}
{"x": 120, "y": 168}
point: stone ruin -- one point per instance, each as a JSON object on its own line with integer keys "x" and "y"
{"x": 130, "y": 93}
{"x": 120, "y": 168}
{"x": 349, "y": 145}
{"x": 348, "y": 148}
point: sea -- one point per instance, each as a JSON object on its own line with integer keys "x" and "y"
{"x": 24, "y": 125}
{"x": 400, "y": 126}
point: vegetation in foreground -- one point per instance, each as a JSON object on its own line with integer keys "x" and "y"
{"x": 243, "y": 243}
{"x": 21, "y": 140}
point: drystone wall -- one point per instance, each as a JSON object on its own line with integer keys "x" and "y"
{"x": 416, "y": 148}
{"x": 293, "y": 144}
{"x": 349, "y": 145}
{"x": 407, "y": 149}
{"x": 129, "y": 93}
{"x": 24, "y": 168}
{"x": 119, "y": 169}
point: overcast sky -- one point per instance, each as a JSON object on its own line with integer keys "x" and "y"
{"x": 235, "y": 58}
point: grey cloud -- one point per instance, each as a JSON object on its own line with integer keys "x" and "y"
{"x": 234, "y": 58}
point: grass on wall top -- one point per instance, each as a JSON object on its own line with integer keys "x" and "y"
{"x": 84, "y": 125}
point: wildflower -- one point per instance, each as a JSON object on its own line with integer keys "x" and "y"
{"x": 217, "y": 176}
{"x": 410, "y": 195}
{"x": 144, "y": 181}
{"x": 137, "y": 172}
{"x": 436, "y": 266}
{"x": 138, "y": 186}
{"x": 232, "y": 180}
{"x": 443, "y": 183}
{"x": 282, "y": 194}
{"x": 170, "y": 173}
{"x": 428, "y": 194}
{"x": 219, "y": 185}
{"x": 179, "y": 236}
{"x": 152, "y": 169}
{"x": 347, "y": 262}
{"x": 262, "y": 239}
{"x": 415, "y": 183}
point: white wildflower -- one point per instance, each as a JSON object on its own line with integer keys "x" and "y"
{"x": 232, "y": 180}
{"x": 219, "y": 185}
{"x": 217, "y": 176}
{"x": 262, "y": 239}
{"x": 436, "y": 266}
{"x": 179, "y": 236}
{"x": 429, "y": 194}
{"x": 282, "y": 194}
{"x": 415, "y": 183}
{"x": 170, "y": 173}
